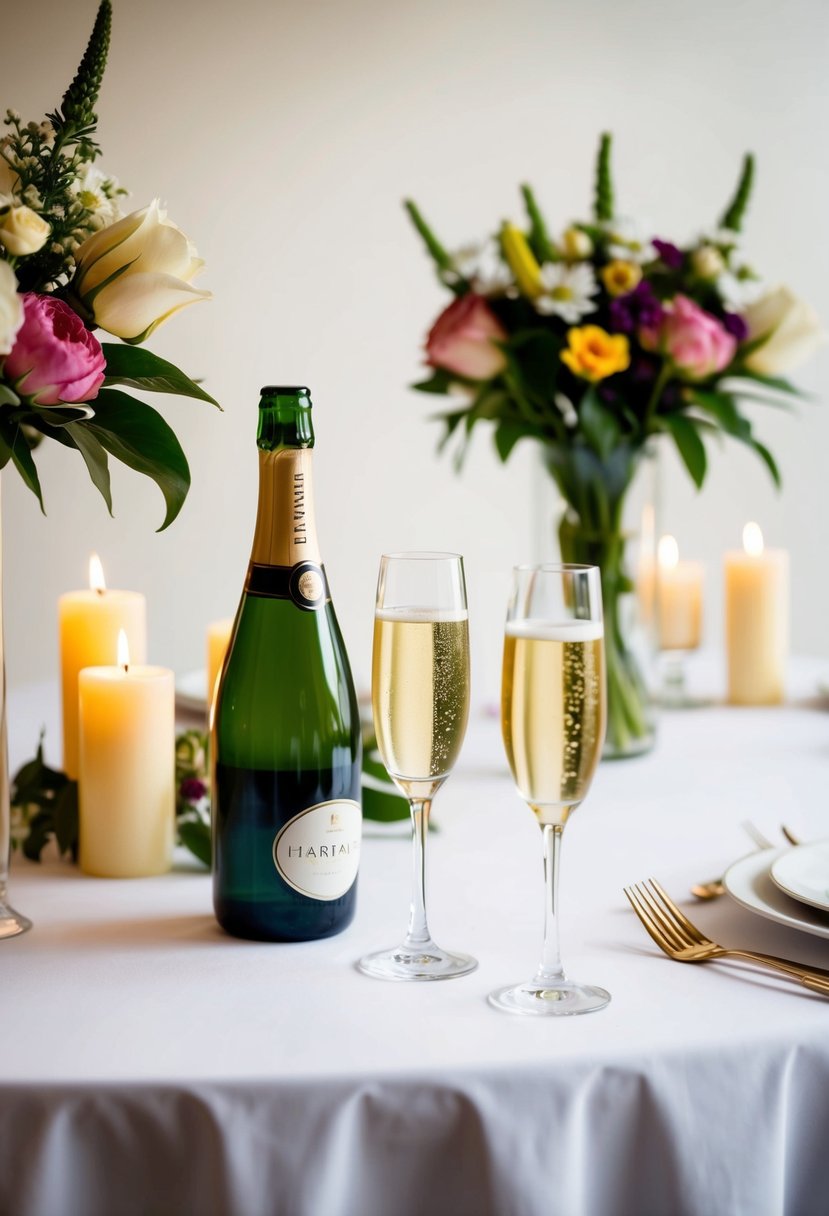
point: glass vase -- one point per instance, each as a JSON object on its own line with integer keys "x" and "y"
{"x": 614, "y": 528}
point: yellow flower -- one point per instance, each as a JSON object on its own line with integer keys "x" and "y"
{"x": 576, "y": 245}
{"x": 620, "y": 277}
{"x": 594, "y": 354}
{"x": 22, "y": 231}
{"x": 521, "y": 261}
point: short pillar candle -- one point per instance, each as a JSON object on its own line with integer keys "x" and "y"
{"x": 756, "y": 621}
{"x": 88, "y": 624}
{"x": 127, "y": 799}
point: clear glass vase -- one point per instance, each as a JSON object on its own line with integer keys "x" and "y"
{"x": 615, "y": 529}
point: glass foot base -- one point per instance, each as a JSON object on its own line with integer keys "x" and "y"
{"x": 426, "y": 963}
{"x": 11, "y": 922}
{"x": 545, "y": 1001}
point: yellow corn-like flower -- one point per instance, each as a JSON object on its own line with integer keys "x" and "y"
{"x": 521, "y": 261}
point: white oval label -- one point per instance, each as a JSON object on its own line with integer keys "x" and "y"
{"x": 318, "y": 851}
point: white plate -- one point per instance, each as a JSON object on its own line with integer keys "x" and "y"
{"x": 749, "y": 882}
{"x": 803, "y": 873}
{"x": 191, "y": 691}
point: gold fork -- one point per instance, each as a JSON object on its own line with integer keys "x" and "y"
{"x": 682, "y": 940}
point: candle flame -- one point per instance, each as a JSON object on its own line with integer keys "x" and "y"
{"x": 752, "y": 539}
{"x": 97, "y": 582}
{"x": 123, "y": 650}
{"x": 667, "y": 553}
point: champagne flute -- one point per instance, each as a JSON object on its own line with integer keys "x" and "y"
{"x": 420, "y": 699}
{"x": 553, "y": 712}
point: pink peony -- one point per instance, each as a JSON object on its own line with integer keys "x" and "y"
{"x": 463, "y": 338}
{"x": 55, "y": 359}
{"x": 697, "y": 343}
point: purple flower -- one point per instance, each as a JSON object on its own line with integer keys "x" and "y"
{"x": 735, "y": 325}
{"x": 192, "y": 789}
{"x": 637, "y": 309}
{"x": 669, "y": 254}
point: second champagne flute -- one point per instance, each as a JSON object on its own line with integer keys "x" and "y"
{"x": 420, "y": 699}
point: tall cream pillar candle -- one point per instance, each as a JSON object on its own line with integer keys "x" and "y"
{"x": 679, "y": 598}
{"x": 88, "y": 623}
{"x": 127, "y": 793}
{"x": 218, "y": 638}
{"x": 756, "y": 621}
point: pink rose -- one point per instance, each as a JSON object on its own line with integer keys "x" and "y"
{"x": 463, "y": 339}
{"x": 697, "y": 343}
{"x": 55, "y": 359}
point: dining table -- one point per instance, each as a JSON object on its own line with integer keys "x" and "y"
{"x": 150, "y": 1064}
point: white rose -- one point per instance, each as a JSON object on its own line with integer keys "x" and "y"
{"x": 707, "y": 262}
{"x": 11, "y": 308}
{"x": 575, "y": 244}
{"x": 22, "y": 231}
{"x": 136, "y": 273}
{"x": 791, "y": 328}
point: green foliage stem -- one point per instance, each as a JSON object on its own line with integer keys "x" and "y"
{"x": 436, "y": 251}
{"x": 734, "y": 213}
{"x": 78, "y": 106}
{"x": 604, "y": 203}
{"x": 539, "y": 238}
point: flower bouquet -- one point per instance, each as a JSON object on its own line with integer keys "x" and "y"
{"x": 70, "y": 264}
{"x": 593, "y": 343}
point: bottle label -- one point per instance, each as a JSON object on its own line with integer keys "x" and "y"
{"x": 305, "y": 584}
{"x": 318, "y": 851}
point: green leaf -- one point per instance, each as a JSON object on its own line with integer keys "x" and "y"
{"x": 135, "y": 433}
{"x": 384, "y": 806}
{"x": 95, "y": 458}
{"x": 66, "y": 818}
{"x": 22, "y": 458}
{"x": 40, "y": 830}
{"x": 723, "y": 408}
{"x": 196, "y": 837}
{"x": 507, "y": 435}
{"x": 451, "y": 422}
{"x": 599, "y": 426}
{"x": 689, "y": 445}
{"x": 439, "y": 382}
{"x": 141, "y": 369}
{"x": 769, "y": 461}
{"x": 777, "y": 384}
{"x": 7, "y": 397}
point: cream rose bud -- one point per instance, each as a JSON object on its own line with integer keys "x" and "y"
{"x": 11, "y": 308}
{"x": 136, "y": 273}
{"x": 791, "y": 330}
{"x": 707, "y": 262}
{"x": 576, "y": 244}
{"x": 22, "y": 231}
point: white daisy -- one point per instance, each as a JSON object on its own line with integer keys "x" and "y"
{"x": 483, "y": 267}
{"x": 737, "y": 290}
{"x": 99, "y": 194}
{"x": 626, "y": 242}
{"x": 567, "y": 290}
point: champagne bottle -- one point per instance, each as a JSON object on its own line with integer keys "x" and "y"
{"x": 285, "y": 732}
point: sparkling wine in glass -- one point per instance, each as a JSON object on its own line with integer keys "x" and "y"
{"x": 420, "y": 699}
{"x": 553, "y": 713}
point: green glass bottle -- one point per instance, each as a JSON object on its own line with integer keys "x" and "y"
{"x": 285, "y": 732}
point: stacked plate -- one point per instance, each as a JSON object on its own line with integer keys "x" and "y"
{"x": 788, "y": 885}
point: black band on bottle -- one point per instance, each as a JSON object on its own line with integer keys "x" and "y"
{"x": 305, "y": 584}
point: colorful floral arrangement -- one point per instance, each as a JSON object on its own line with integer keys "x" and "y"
{"x": 595, "y": 341}
{"x": 71, "y": 264}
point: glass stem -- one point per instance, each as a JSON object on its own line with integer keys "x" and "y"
{"x": 550, "y": 970}
{"x": 418, "y": 933}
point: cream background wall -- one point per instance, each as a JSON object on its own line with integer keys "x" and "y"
{"x": 282, "y": 137}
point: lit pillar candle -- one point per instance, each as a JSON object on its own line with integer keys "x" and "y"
{"x": 756, "y": 621}
{"x": 218, "y": 637}
{"x": 679, "y": 598}
{"x": 88, "y": 623}
{"x": 127, "y": 793}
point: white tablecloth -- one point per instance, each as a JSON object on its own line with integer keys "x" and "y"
{"x": 150, "y": 1064}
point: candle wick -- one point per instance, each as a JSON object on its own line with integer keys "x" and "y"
{"x": 126, "y": 668}
{"x": 100, "y": 591}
